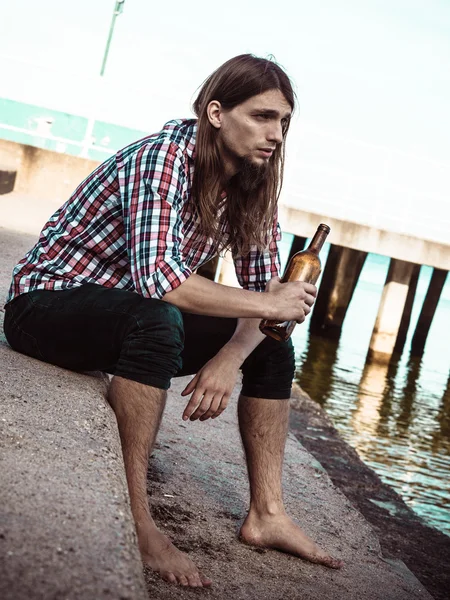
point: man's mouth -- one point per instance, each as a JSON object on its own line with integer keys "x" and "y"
{"x": 267, "y": 152}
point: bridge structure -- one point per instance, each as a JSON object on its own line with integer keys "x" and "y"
{"x": 350, "y": 245}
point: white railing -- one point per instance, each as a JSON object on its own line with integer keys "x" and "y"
{"x": 61, "y": 142}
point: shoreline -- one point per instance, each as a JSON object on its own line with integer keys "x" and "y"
{"x": 402, "y": 534}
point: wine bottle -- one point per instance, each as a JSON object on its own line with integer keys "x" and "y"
{"x": 303, "y": 266}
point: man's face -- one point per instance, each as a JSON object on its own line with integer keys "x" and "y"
{"x": 250, "y": 132}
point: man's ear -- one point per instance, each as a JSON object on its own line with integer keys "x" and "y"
{"x": 214, "y": 113}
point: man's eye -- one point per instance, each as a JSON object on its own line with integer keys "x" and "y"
{"x": 263, "y": 116}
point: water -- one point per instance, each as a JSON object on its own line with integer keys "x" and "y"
{"x": 397, "y": 417}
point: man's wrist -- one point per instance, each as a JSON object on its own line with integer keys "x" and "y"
{"x": 268, "y": 311}
{"x": 235, "y": 352}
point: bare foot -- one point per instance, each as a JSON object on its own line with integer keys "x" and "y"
{"x": 162, "y": 556}
{"x": 281, "y": 533}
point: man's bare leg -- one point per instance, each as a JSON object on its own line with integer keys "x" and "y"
{"x": 264, "y": 425}
{"x": 138, "y": 409}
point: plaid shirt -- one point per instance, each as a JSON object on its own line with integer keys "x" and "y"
{"x": 130, "y": 225}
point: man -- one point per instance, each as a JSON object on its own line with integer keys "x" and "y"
{"x": 110, "y": 286}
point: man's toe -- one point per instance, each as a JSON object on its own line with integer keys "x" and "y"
{"x": 194, "y": 580}
{"x": 335, "y": 563}
{"x": 169, "y": 577}
{"x": 183, "y": 580}
{"x": 206, "y": 582}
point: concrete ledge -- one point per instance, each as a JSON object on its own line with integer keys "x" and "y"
{"x": 65, "y": 523}
{"x": 44, "y": 173}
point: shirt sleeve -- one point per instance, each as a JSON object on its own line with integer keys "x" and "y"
{"x": 152, "y": 183}
{"x": 257, "y": 268}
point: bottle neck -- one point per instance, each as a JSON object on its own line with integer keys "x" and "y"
{"x": 318, "y": 240}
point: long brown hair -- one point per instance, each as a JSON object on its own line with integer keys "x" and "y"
{"x": 250, "y": 215}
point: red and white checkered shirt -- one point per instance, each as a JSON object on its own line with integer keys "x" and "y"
{"x": 130, "y": 225}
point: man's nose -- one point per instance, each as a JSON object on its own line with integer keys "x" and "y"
{"x": 276, "y": 133}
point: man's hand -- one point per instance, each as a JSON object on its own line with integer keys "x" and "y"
{"x": 291, "y": 301}
{"x": 212, "y": 387}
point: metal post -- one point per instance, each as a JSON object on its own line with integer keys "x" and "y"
{"x": 118, "y": 9}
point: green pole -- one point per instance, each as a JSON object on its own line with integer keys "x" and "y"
{"x": 118, "y": 8}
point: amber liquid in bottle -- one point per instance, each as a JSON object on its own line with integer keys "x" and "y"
{"x": 303, "y": 266}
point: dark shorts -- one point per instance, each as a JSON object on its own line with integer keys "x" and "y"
{"x": 92, "y": 328}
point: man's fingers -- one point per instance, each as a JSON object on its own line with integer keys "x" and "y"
{"x": 190, "y": 386}
{"x": 300, "y": 321}
{"x": 306, "y": 310}
{"x": 310, "y": 288}
{"x": 203, "y": 406}
{"x": 309, "y": 299}
{"x": 214, "y": 406}
{"x": 222, "y": 407}
{"x": 193, "y": 403}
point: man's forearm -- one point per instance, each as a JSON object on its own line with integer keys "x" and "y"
{"x": 201, "y": 296}
{"x": 289, "y": 301}
{"x": 245, "y": 339}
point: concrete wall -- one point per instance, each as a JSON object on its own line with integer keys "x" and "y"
{"x": 42, "y": 173}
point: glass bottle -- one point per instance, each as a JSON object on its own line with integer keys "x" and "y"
{"x": 303, "y": 266}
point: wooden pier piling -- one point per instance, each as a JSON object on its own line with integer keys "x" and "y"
{"x": 390, "y": 312}
{"x": 427, "y": 313}
{"x": 339, "y": 280}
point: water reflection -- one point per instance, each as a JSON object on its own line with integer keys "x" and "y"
{"x": 441, "y": 437}
{"x": 317, "y": 363}
{"x": 408, "y": 395}
{"x": 388, "y": 395}
{"x": 380, "y": 401}
{"x": 366, "y": 416}
{"x": 393, "y": 417}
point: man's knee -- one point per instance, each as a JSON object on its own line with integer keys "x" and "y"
{"x": 165, "y": 321}
{"x": 269, "y": 370}
{"x": 152, "y": 350}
